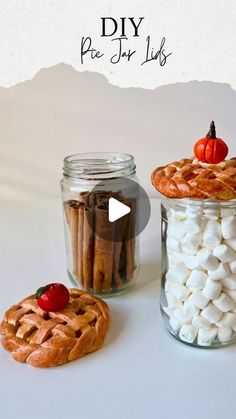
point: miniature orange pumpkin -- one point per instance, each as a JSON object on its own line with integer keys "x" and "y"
{"x": 211, "y": 149}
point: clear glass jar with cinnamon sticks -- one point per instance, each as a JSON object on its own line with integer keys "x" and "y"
{"x": 102, "y": 256}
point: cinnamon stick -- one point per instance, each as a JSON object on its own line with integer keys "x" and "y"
{"x": 129, "y": 260}
{"x": 103, "y": 251}
{"x": 92, "y": 200}
{"x": 130, "y": 240}
{"x": 88, "y": 242}
{"x": 80, "y": 242}
{"x": 66, "y": 206}
{"x": 99, "y": 263}
{"x": 84, "y": 197}
{"x": 102, "y": 198}
{"x": 74, "y": 237}
{"x": 67, "y": 212}
{"x": 120, "y": 228}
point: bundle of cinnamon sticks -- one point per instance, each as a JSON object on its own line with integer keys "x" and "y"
{"x": 103, "y": 253}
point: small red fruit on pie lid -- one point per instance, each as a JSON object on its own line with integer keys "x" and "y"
{"x": 211, "y": 149}
{"x": 52, "y": 297}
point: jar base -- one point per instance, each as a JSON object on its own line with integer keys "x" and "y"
{"x": 216, "y": 344}
{"x": 113, "y": 293}
{"x": 197, "y": 346}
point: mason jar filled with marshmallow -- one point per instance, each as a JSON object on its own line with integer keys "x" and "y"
{"x": 198, "y": 294}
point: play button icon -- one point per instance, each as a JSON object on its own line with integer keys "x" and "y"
{"x": 117, "y": 210}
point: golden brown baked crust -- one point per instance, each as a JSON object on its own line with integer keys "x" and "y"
{"x": 47, "y": 339}
{"x": 189, "y": 178}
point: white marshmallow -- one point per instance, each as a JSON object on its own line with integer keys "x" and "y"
{"x": 231, "y": 243}
{"x": 189, "y": 309}
{"x": 168, "y": 285}
{"x": 232, "y": 266}
{"x": 228, "y": 320}
{"x": 211, "y": 213}
{"x": 212, "y": 289}
{"x": 221, "y": 272}
{"x": 231, "y": 293}
{"x": 198, "y": 299}
{"x": 224, "y": 335}
{"x": 173, "y": 245}
{"x": 191, "y": 243}
{"x": 224, "y": 302}
{"x": 193, "y": 211}
{"x": 175, "y": 324}
{"x": 227, "y": 212}
{"x": 191, "y": 262}
{"x": 196, "y": 280}
{"x": 172, "y": 301}
{"x": 224, "y": 253}
{"x": 234, "y": 328}
{"x": 169, "y": 311}
{"x": 181, "y": 316}
{"x": 207, "y": 260}
{"x": 201, "y": 322}
{"x": 188, "y": 333}
{"x": 228, "y": 227}
{"x": 175, "y": 257}
{"x": 212, "y": 234}
{"x": 206, "y": 336}
{"x": 229, "y": 282}
{"x": 176, "y": 230}
{"x": 211, "y": 313}
{"x": 179, "y": 291}
{"x": 193, "y": 225}
{"x": 178, "y": 273}
{"x": 177, "y": 215}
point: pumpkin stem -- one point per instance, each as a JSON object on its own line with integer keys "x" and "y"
{"x": 212, "y": 132}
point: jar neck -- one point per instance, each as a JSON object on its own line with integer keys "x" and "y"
{"x": 99, "y": 165}
{"x": 184, "y": 203}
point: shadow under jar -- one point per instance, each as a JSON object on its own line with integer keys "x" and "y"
{"x": 198, "y": 295}
{"x": 102, "y": 256}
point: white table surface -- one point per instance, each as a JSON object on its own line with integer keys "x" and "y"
{"x": 141, "y": 372}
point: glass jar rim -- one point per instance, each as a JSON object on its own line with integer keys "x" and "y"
{"x": 99, "y": 165}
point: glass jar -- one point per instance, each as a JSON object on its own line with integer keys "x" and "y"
{"x": 102, "y": 256}
{"x": 198, "y": 294}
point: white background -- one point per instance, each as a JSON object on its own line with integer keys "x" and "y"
{"x": 42, "y": 33}
{"x": 141, "y": 372}
{"x": 62, "y": 112}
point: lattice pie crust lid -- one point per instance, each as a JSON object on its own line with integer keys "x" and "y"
{"x": 47, "y": 339}
{"x": 190, "y": 178}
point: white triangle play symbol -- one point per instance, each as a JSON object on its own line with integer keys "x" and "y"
{"x": 117, "y": 210}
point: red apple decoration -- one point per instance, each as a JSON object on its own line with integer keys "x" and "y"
{"x": 52, "y": 297}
